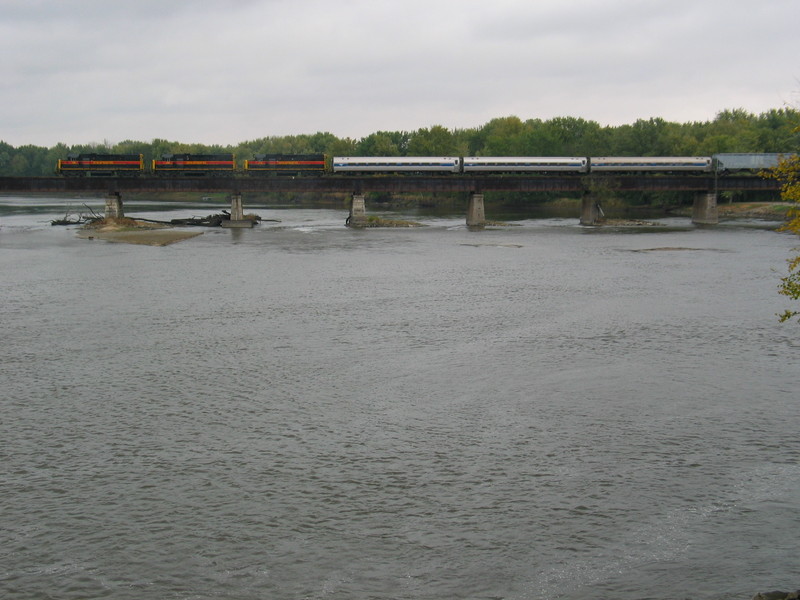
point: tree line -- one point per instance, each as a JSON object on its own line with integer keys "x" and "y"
{"x": 730, "y": 131}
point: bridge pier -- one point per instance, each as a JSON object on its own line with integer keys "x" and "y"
{"x": 476, "y": 215}
{"x": 704, "y": 209}
{"x": 590, "y": 209}
{"x": 237, "y": 210}
{"x": 114, "y": 206}
{"x": 237, "y": 220}
{"x": 358, "y": 211}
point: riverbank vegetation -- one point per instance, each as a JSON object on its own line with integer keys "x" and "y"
{"x": 788, "y": 173}
{"x": 730, "y": 131}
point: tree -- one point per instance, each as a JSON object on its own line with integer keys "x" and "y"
{"x": 383, "y": 143}
{"x": 342, "y": 147}
{"x": 502, "y": 137}
{"x": 436, "y": 141}
{"x": 775, "y": 130}
{"x": 788, "y": 173}
{"x": 573, "y": 136}
{"x": 19, "y": 165}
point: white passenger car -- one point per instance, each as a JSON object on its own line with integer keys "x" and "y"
{"x": 650, "y": 163}
{"x": 396, "y": 164}
{"x": 526, "y": 164}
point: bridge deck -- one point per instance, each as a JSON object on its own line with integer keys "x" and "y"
{"x": 385, "y": 183}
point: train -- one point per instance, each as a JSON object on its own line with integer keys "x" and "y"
{"x": 115, "y": 165}
{"x": 305, "y": 165}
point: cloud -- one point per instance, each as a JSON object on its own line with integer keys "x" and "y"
{"x": 228, "y": 71}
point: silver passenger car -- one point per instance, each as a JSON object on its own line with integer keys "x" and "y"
{"x": 396, "y": 164}
{"x": 650, "y": 163}
{"x": 526, "y": 164}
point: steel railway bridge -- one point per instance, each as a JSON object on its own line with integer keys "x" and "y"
{"x": 705, "y": 188}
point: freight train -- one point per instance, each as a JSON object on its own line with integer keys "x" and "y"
{"x": 303, "y": 165}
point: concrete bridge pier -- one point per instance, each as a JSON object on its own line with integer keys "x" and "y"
{"x": 358, "y": 211}
{"x": 704, "y": 210}
{"x": 237, "y": 220}
{"x": 476, "y": 215}
{"x": 591, "y": 212}
{"x": 114, "y": 206}
{"x": 237, "y": 210}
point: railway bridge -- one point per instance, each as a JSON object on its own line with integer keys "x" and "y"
{"x": 705, "y": 187}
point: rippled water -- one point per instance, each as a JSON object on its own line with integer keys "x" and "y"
{"x": 539, "y": 411}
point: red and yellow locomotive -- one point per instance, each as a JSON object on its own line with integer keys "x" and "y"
{"x": 195, "y": 164}
{"x": 286, "y": 164}
{"x": 101, "y": 165}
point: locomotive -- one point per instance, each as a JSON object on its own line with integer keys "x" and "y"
{"x": 115, "y": 165}
{"x": 191, "y": 165}
{"x": 99, "y": 165}
{"x": 286, "y": 164}
{"x": 195, "y": 164}
{"x": 316, "y": 165}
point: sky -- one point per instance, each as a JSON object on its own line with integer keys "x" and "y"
{"x": 224, "y": 72}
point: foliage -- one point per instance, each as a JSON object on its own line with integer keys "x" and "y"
{"x": 788, "y": 173}
{"x": 790, "y": 286}
{"x": 731, "y": 131}
{"x": 436, "y": 141}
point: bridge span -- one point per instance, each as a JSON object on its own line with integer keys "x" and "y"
{"x": 705, "y": 187}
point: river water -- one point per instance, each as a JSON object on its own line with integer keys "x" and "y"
{"x": 301, "y": 410}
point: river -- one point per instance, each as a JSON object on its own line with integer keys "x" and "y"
{"x": 301, "y": 410}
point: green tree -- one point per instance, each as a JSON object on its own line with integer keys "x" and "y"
{"x": 55, "y": 153}
{"x": 6, "y": 153}
{"x": 503, "y": 137}
{"x": 341, "y": 147}
{"x": 383, "y": 143}
{"x": 321, "y": 141}
{"x": 679, "y": 140}
{"x": 730, "y": 131}
{"x": 775, "y": 130}
{"x": 436, "y": 141}
{"x": 160, "y": 147}
{"x": 19, "y": 165}
{"x": 788, "y": 173}
{"x": 718, "y": 144}
{"x": 572, "y": 136}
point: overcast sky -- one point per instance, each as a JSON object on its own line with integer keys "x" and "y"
{"x": 219, "y": 71}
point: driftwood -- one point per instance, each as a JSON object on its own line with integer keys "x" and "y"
{"x": 214, "y": 220}
{"x": 207, "y": 221}
{"x": 80, "y": 219}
